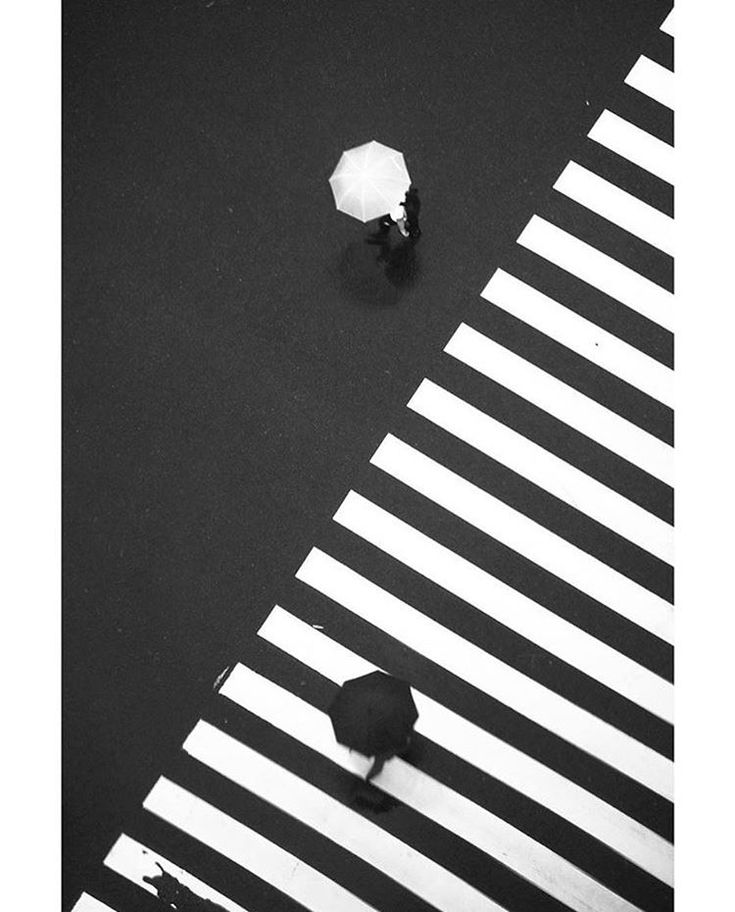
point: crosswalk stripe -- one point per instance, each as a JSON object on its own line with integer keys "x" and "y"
{"x": 638, "y": 146}
{"x": 668, "y": 24}
{"x": 461, "y": 816}
{"x": 575, "y": 885}
{"x": 134, "y": 861}
{"x": 488, "y": 674}
{"x": 313, "y": 807}
{"x": 580, "y": 335}
{"x": 543, "y": 468}
{"x": 515, "y": 530}
{"x": 482, "y": 590}
{"x": 483, "y": 750}
{"x": 653, "y": 80}
{"x": 599, "y": 270}
{"x": 87, "y": 903}
{"x": 248, "y": 849}
{"x": 562, "y": 401}
{"x": 617, "y": 206}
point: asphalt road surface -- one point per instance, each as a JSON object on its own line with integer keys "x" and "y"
{"x": 233, "y": 353}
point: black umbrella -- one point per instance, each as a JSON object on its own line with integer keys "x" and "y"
{"x": 374, "y": 714}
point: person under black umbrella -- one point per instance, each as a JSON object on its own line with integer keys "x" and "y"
{"x": 382, "y": 757}
{"x": 374, "y": 715}
{"x": 174, "y": 895}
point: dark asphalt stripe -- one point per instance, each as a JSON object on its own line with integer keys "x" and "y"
{"x": 238, "y": 884}
{"x": 598, "y": 778}
{"x": 643, "y": 111}
{"x": 602, "y": 234}
{"x": 524, "y": 576}
{"x": 582, "y": 298}
{"x": 527, "y": 816}
{"x": 660, "y": 47}
{"x": 411, "y": 827}
{"x": 119, "y": 893}
{"x": 574, "y": 370}
{"x": 306, "y": 843}
{"x": 555, "y": 436}
{"x": 626, "y": 175}
{"x": 505, "y": 484}
{"x": 510, "y": 647}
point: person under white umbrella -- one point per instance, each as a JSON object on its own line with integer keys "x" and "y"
{"x": 397, "y": 217}
{"x": 370, "y": 181}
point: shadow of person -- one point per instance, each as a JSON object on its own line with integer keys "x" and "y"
{"x": 369, "y": 798}
{"x": 401, "y": 262}
{"x": 172, "y": 894}
{"x": 361, "y": 277}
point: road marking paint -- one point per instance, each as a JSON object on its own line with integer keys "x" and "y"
{"x": 580, "y": 335}
{"x": 638, "y": 146}
{"x": 599, "y": 270}
{"x": 134, "y": 861}
{"x": 668, "y": 24}
{"x": 491, "y": 596}
{"x": 249, "y": 850}
{"x": 617, "y": 206}
{"x": 562, "y": 402}
{"x": 489, "y": 754}
{"x": 653, "y": 80}
{"x": 468, "y": 820}
{"x": 87, "y": 903}
{"x": 488, "y": 674}
{"x": 543, "y": 468}
{"x": 315, "y": 808}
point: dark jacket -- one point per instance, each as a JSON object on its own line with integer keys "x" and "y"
{"x": 412, "y": 205}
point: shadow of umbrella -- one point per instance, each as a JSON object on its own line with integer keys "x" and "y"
{"x": 362, "y": 278}
{"x": 401, "y": 263}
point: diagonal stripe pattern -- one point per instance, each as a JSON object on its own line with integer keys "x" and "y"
{"x": 545, "y": 711}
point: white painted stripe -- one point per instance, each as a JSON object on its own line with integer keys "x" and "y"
{"x": 563, "y": 402}
{"x": 249, "y": 849}
{"x": 543, "y": 468}
{"x": 523, "y": 535}
{"x": 617, "y": 206}
{"x": 599, "y": 270}
{"x": 488, "y": 674}
{"x": 483, "y": 591}
{"x": 580, "y": 335}
{"x": 468, "y": 820}
{"x": 134, "y": 861}
{"x": 653, "y": 80}
{"x": 638, "y": 146}
{"x": 315, "y": 808}
{"x": 87, "y": 903}
{"x": 483, "y": 750}
{"x": 668, "y": 24}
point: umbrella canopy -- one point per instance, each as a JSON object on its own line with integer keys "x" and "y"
{"x": 374, "y": 714}
{"x": 369, "y": 181}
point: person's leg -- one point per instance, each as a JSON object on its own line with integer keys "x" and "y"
{"x": 378, "y": 764}
{"x": 413, "y": 228}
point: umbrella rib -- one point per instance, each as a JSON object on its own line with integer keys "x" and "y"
{"x": 385, "y": 199}
{"x": 357, "y": 187}
{"x": 342, "y": 198}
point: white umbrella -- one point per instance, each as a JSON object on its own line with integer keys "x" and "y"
{"x": 369, "y": 181}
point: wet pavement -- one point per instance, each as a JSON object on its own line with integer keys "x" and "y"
{"x": 233, "y": 346}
